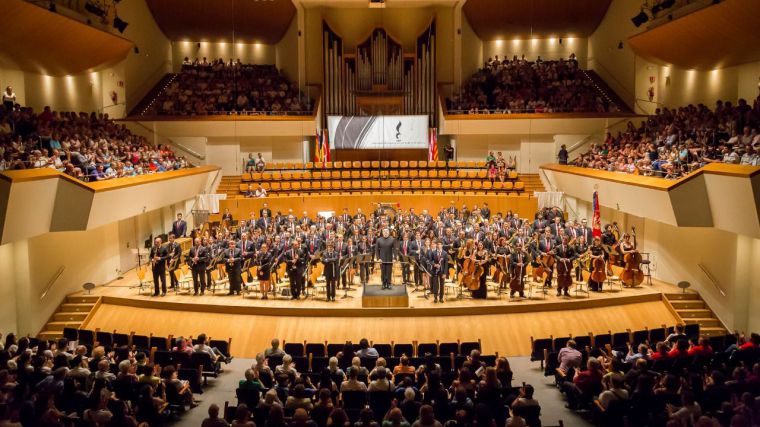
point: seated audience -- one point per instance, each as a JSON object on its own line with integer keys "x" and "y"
{"x": 672, "y": 143}
{"x": 90, "y": 147}
{"x": 520, "y": 86}
{"x": 217, "y": 87}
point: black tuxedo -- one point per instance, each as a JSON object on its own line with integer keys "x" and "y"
{"x": 233, "y": 260}
{"x": 439, "y": 267}
{"x": 295, "y": 259}
{"x": 179, "y": 228}
{"x": 265, "y": 210}
{"x": 198, "y": 267}
{"x": 384, "y": 250}
{"x": 332, "y": 271}
{"x": 174, "y": 252}
{"x": 159, "y": 267}
{"x": 417, "y": 249}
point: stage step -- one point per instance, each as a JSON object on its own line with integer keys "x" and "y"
{"x": 59, "y": 325}
{"x": 693, "y": 310}
{"x": 684, "y": 296}
{"x": 70, "y": 316}
{"x": 80, "y": 307}
{"x": 687, "y": 304}
{"x": 71, "y": 313}
{"x": 82, "y": 299}
{"x": 706, "y": 322}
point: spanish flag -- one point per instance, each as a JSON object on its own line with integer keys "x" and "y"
{"x": 432, "y": 145}
{"x": 318, "y": 148}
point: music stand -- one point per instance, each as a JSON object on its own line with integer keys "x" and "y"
{"x": 416, "y": 264}
{"x": 364, "y": 259}
{"x": 317, "y": 257}
{"x": 346, "y": 263}
{"x": 405, "y": 259}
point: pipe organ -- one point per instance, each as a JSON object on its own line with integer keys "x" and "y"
{"x": 379, "y": 77}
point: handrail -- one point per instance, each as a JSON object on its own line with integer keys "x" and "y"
{"x": 177, "y": 144}
{"x": 712, "y": 278}
{"x": 52, "y": 281}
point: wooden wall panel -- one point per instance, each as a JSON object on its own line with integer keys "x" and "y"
{"x": 500, "y": 19}
{"x": 36, "y": 40}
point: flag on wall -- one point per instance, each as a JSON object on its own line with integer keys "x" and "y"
{"x": 325, "y": 146}
{"x": 432, "y": 145}
{"x": 318, "y": 147}
{"x": 322, "y": 147}
{"x": 596, "y": 221}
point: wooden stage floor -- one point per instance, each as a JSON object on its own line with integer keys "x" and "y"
{"x": 504, "y": 326}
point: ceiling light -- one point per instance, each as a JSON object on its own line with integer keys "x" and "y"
{"x": 640, "y": 19}
{"x": 119, "y": 24}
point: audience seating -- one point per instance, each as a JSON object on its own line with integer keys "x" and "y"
{"x": 333, "y": 177}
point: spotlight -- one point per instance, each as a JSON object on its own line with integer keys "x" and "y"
{"x": 560, "y": 40}
{"x": 620, "y": 45}
{"x": 52, "y": 7}
{"x": 667, "y": 4}
{"x": 640, "y": 19}
{"x": 137, "y": 50}
{"x": 119, "y": 24}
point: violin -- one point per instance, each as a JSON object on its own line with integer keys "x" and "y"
{"x": 632, "y": 274}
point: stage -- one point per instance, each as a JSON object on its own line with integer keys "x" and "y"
{"x": 503, "y": 325}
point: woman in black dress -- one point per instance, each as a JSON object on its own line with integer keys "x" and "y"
{"x": 264, "y": 261}
{"x": 481, "y": 258}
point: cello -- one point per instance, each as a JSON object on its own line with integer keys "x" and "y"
{"x": 632, "y": 274}
{"x": 599, "y": 270}
{"x": 516, "y": 276}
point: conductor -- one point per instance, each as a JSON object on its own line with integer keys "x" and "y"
{"x": 384, "y": 249}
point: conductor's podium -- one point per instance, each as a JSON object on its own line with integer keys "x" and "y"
{"x": 377, "y": 297}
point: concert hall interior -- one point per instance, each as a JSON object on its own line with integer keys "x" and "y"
{"x": 407, "y": 213}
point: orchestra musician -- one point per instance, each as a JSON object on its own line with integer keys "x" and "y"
{"x": 198, "y": 259}
{"x": 233, "y": 259}
{"x": 364, "y": 248}
{"x": 438, "y": 262}
{"x": 264, "y": 260}
{"x": 175, "y": 253}
{"x": 481, "y": 259}
{"x": 581, "y": 248}
{"x": 405, "y": 248}
{"x": 596, "y": 251}
{"x": 296, "y": 267}
{"x": 331, "y": 272}
{"x": 518, "y": 262}
{"x": 416, "y": 252}
{"x": 565, "y": 254}
{"x": 158, "y": 256}
{"x": 546, "y": 247}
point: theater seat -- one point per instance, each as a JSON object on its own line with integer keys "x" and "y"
{"x": 338, "y": 165}
{"x": 433, "y": 173}
{"x": 519, "y": 185}
{"x": 385, "y": 164}
{"x": 403, "y": 173}
{"x": 403, "y": 164}
{"x": 366, "y": 164}
{"x": 422, "y": 164}
{"x": 355, "y": 175}
{"x": 375, "y": 164}
{"x": 394, "y": 164}
{"x": 413, "y": 164}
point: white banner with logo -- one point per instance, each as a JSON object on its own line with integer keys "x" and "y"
{"x": 377, "y": 132}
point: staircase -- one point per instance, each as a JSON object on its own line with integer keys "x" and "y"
{"x": 692, "y": 309}
{"x": 74, "y": 312}
{"x": 230, "y": 185}
{"x": 532, "y": 182}
{"x": 603, "y": 87}
{"x": 148, "y": 99}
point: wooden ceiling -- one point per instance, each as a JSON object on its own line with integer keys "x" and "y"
{"x": 36, "y": 40}
{"x": 247, "y": 21}
{"x": 718, "y": 36}
{"x": 501, "y": 19}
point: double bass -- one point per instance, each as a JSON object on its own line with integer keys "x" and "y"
{"x": 599, "y": 270}
{"x": 470, "y": 276}
{"x": 632, "y": 274}
{"x": 564, "y": 274}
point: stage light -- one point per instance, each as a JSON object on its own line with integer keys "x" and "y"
{"x": 119, "y": 24}
{"x": 667, "y": 4}
{"x": 640, "y": 19}
{"x": 52, "y": 7}
{"x": 560, "y": 40}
